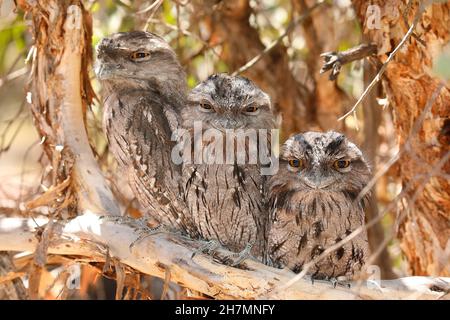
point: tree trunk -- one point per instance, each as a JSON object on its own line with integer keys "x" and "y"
{"x": 372, "y": 120}
{"x": 60, "y": 92}
{"x": 424, "y": 223}
{"x": 319, "y": 30}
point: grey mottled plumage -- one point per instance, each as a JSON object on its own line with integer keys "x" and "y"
{"x": 312, "y": 200}
{"x": 143, "y": 91}
{"x": 226, "y": 200}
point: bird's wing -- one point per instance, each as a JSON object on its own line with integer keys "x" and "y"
{"x": 156, "y": 178}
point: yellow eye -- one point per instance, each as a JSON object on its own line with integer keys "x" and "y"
{"x": 341, "y": 164}
{"x": 296, "y": 163}
{"x": 251, "y": 108}
{"x": 140, "y": 55}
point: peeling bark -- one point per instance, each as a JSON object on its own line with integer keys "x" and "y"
{"x": 409, "y": 83}
{"x": 60, "y": 92}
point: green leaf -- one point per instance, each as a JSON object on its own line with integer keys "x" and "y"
{"x": 441, "y": 66}
{"x": 167, "y": 13}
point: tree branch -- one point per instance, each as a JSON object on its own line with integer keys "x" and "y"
{"x": 88, "y": 235}
{"x": 335, "y": 60}
{"x": 389, "y": 59}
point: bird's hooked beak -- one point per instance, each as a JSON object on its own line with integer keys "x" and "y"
{"x": 317, "y": 181}
{"x": 105, "y": 68}
{"x": 101, "y": 71}
{"x": 105, "y": 71}
{"x": 227, "y": 122}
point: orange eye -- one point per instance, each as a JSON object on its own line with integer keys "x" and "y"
{"x": 341, "y": 164}
{"x": 140, "y": 55}
{"x": 296, "y": 163}
{"x": 252, "y": 108}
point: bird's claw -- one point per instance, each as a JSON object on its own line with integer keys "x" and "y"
{"x": 231, "y": 259}
{"x": 132, "y": 222}
{"x": 341, "y": 281}
{"x": 139, "y": 225}
{"x": 237, "y": 258}
{"x": 208, "y": 247}
{"x": 146, "y": 232}
{"x": 335, "y": 281}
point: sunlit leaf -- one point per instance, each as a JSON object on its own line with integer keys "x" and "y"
{"x": 441, "y": 66}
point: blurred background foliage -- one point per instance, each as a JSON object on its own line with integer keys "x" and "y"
{"x": 191, "y": 33}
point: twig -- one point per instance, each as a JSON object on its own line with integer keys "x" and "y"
{"x": 154, "y": 7}
{"x": 433, "y": 172}
{"x": 274, "y": 43}
{"x": 5, "y": 147}
{"x": 405, "y": 21}
{"x": 10, "y": 74}
{"x": 120, "y": 279}
{"x": 389, "y": 59}
{"x": 165, "y": 289}
{"x": 11, "y": 276}
{"x": 13, "y": 75}
{"x": 187, "y": 34}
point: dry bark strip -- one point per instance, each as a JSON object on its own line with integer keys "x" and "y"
{"x": 409, "y": 82}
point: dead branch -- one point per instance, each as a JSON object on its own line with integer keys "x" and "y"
{"x": 391, "y": 56}
{"x": 423, "y": 231}
{"x": 88, "y": 236}
{"x": 335, "y": 60}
